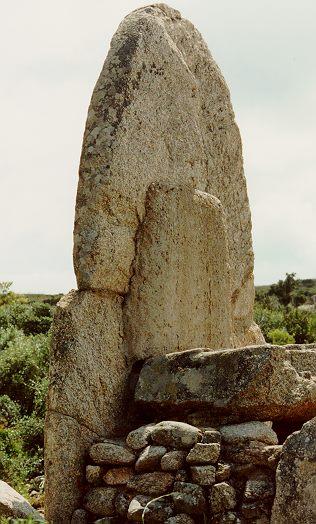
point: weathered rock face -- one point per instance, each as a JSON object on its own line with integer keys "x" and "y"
{"x": 295, "y": 500}
{"x": 262, "y": 382}
{"x": 161, "y": 112}
{"x": 12, "y": 504}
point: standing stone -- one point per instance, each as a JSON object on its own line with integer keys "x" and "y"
{"x": 295, "y": 500}
{"x": 160, "y": 183}
{"x": 129, "y": 143}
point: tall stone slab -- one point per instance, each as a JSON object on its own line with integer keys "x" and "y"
{"x": 162, "y": 239}
{"x": 179, "y": 294}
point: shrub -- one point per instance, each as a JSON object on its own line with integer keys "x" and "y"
{"x": 31, "y": 318}
{"x": 297, "y": 324}
{"x": 8, "y": 335}
{"x": 268, "y": 319}
{"x": 22, "y": 367}
{"x": 280, "y": 337}
{"x": 10, "y": 411}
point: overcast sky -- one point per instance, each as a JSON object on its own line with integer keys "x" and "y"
{"x": 52, "y": 53}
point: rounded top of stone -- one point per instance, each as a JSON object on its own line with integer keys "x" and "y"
{"x": 172, "y": 13}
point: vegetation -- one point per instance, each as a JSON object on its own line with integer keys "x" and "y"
{"x": 24, "y": 344}
{"x": 25, "y": 322}
{"x": 284, "y": 311}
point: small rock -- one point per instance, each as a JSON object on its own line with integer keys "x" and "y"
{"x": 158, "y": 511}
{"x": 175, "y": 434}
{"x": 155, "y": 484}
{"x": 117, "y": 476}
{"x": 252, "y": 452}
{"x": 113, "y": 454}
{"x": 136, "y": 508}
{"x": 173, "y": 460}
{"x": 204, "y": 454}
{"x": 189, "y": 498}
{"x": 12, "y": 504}
{"x": 149, "y": 459}
{"x": 223, "y": 472}
{"x": 271, "y": 456}
{"x": 80, "y": 516}
{"x": 181, "y": 476}
{"x": 259, "y": 431}
{"x": 259, "y": 511}
{"x": 93, "y": 474}
{"x": 203, "y": 475}
{"x": 211, "y": 436}
{"x": 258, "y": 489}
{"x": 100, "y": 501}
{"x": 122, "y": 503}
{"x": 107, "y": 520}
{"x": 222, "y": 497}
{"x": 241, "y": 471}
{"x": 139, "y": 438}
{"x": 226, "y": 518}
{"x": 182, "y": 518}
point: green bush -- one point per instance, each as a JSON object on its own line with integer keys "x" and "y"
{"x": 22, "y": 366}
{"x": 31, "y": 318}
{"x": 268, "y": 319}
{"x": 297, "y": 323}
{"x": 10, "y": 411}
{"x": 10, "y": 334}
{"x": 280, "y": 337}
{"x": 24, "y": 348}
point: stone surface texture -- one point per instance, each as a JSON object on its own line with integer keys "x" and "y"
{"x": 13, "y": 505}
{"x": 162, "y": 229}
{"x": 150, "y": 458}
{"x": 101, "y": 501}
{"x": 108, "y": 452}
{"x": 251, "y": 383}
{"x": 260, "y": 431}
{"x": 295, "y": 499}
{"x": 204, "y": 454}
{"x": 222, "y": 497}
{"x": 173, "y": 460}
{"x": 175, "y": 434}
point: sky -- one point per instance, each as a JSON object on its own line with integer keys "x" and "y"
{"x": 52, "y": 54}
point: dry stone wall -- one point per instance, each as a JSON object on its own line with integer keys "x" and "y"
{"x": 174, "y": 472}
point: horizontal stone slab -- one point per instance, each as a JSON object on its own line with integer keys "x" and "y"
{"x": 252, "y": 383}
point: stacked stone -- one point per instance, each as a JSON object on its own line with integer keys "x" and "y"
{"x": 174, "y": 472}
